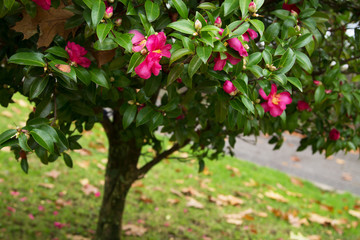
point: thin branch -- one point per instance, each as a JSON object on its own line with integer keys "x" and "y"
{"x": 144, "y": 169}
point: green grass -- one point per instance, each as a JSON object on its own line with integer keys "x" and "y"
{"x": 148, "y": 204}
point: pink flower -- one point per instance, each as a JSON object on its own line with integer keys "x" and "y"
{"x": 44, "y": 4}
{"x": 220, "y": 63}
{"x": 334, "y": 134}
{"x": 328, "y": 91}
{"x": 138, "y": 40}
{"x": 181, "y": 116}
{"x": 235, "y": 44}
{"x": 59, "y": 225}
{"x": 76, "y": 54}
{"x": 31, "y": 216}
{"x": 41, "y": 208}
{"x": 11, "y": 209}
{"x": 229, "y": 88}
{"x": 97, "y": 194}
{"x": 23, "y": 199}
{"x": 249, "y": 33}
{"x": 14, "y": 193}
{"x": 55, "y": 213}
{"x": 291, "y": 7}
{"x": 317, "y": 83}
{"x": 252, "y": 7}
{"x": 276, "y": 103}
{"x": 301, "y": 105}
{"x": 218, "y": 22}
{"x": 157, "y": 49}
{"x": 109, "y": 12}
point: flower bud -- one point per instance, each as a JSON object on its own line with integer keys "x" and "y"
{"x": 317, "y": 83}
{"x": 143, "y": 51}
{"x": 252, "y": 7}
{"x": 118, "y": 22}
{"x": 297, "y": 28}
{"x": 110, "y": 1}
{"x": 230, "y": 88}
{"x": 108, "y": 12}
{"x": 293, "y": 13}
{"x": 198, "y": 25}
{"x": 218, "y": 22}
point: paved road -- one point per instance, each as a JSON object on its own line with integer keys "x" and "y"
{"x": 340, "y": 172}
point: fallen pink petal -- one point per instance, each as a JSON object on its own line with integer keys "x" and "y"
{"x": 11, "y": 209}
{"x": 31, "y": 216}
{"x": 97, "y": 194}
{"x": 14, "y": 193}
{"x": 55, "y": 213}
{"x": 41, "y": 208}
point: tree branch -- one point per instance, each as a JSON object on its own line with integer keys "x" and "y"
{"x": 144, "y": 169}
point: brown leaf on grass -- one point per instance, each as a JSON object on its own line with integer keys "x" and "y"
{"x": 173, "y": 201}
{"x": 98, "y": 146}
{"x": 88, "y": 189}
{"x": 297, "y": 236}
{"x": 314, "y": 217}
{"x": 237, "y": 218}
{"x": 53, "y": 174}
{"x": 194, "y": 203}
{"x": 62, "y": 203}
{"x": 145, "y": 199}
{"x": 296, "y": 181}
{"x": 314, "y": 237}
{"x": 137, "y": 184}
{"x": 7, "y": 114}
{"x": 354, "y": 213}
{"x": 234, "y": 221}
{"x": 250, "y": 183}
{"x": 234, "y": 171}
{"x": 225, "y": 200}
{"x": 100, "y": 166}
{"x": 326, "y": 207}
{"x": 47, "y": 185}
{"x": 190, "y": 191}
{"x": 51, "y": 23}
{"x": 296, "y": 221}
{"x": 133, "y": 230}
{"x": 295, "y": 159}
{"x": 83, "y": 152}
{"x": 347, "y": 177}
{"x": 262, "y": 214}
{"x": 276, "y": 196}
{"x": 177, "y": 193}
{"x": 206, "y": 172}
{"x": 84, "y": 181}
{"x": 293, "y": 194}
{"x": 76, "y": 237}
{"x": 83, "y": 164}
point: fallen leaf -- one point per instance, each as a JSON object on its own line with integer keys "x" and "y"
{"x": 297, "y": 236}
{"x": 314, "y": 237}
{"x": 296, "y": 181}
{"x": 340, "y": 161}
{"x": 83, "y": 152}
{"x": 224, "y": 200}
{"x": 76, "y": 237}
{"x": 173, "y": 201}
{"x": 194, "y": 203}
{"x": 179, "y": 181}
{"x": 51, "y": 23}
{"x": 346, "y": 176}
{"x": 234, "y": 221}
{"x": 89, "y": 189}
{"x": 293, "y": 194}
{"x": 296, "y": 221}
{"x": 177, "y": 193}
{"x": 314, "y": 217}
{"x": 145, "y": 199}
{"x": 190, "y": 191}
{"x": 276, "y": 196}
{"x": 133, "y": 230}
{"x": 53, "y": 174}
{"x": 354, "y": 213}
{"x": 327, "y": 207}
{"x": 63, "y": 67}
{"x": 100, "y": 166}
{"x": 234, "y": 171}
{"x": 237, "y": 218}
{"x": 7, "y": 114}
{"x": 262, "y": 214}
{"x": 137, "y": 183}
{"x": 62, "y": 203}
{"x": 83, "y": 164}
{"x": 250, "y": 183}
{"x": 295, "y": 159}
{"x": 47, "y": 185}
{"x": 84, "y": 181}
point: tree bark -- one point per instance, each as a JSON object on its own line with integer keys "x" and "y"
{"x": 120, "y": 173}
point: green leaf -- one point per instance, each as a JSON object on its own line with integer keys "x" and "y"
{"x": 259, "y": 25}
{"x": 102, "y": 30}
{"x": 175, "y": 73}
{"x": 258, "y": 3}
{"x": 248, "y": 103}
{"x": 286, "y": 58}
{"x": 83, "y": 75}
{"x": 237, "y": 105}
{"x": 107, "y": 44}
{"x": 230, "y": 6}
{"x": 272, "y": 31}
{"x": 256, "y": 70}
{"x": 23, "y": 142}
{"x": 319, "y": 94}
{"x": 244, "y": 6}
{"x": 28, "y": 58}
{"x": 239, "y": 30}
{"x": 24, "y": 165}
{"x": 9, "y": 3}
{"x": 302, "y": 40}
{"x": 207, "y": 6}
{"x": 281, "y": 78}
{"x": 7, "y": 135}
{"x": 53, "y": 64}
{"x": 129, "y": 115}
{"x": 267, "y": 57}
{"x": 260, "y": 110}
{"x": 183, "y": 26}
{"x": 135, "y": 60}
{"x": 304, "y": 61}
{"x": 220, "y": 111}
{"x": 254, "y": 59}
{"x": 124, "y": 40}
{"x": 152, "y": 10}
{"x": 194, "y": 65}
{"x": 179, "y": 54}
{"x": 58, "y": 51}
{"x": 38, "y": 86}
{"x": 97, "y": 12}
{"x": 98, "y": 77}
{"x": 144, "y": 115}
{"x": 67, "y": 159}
{"x": 43, "y": 139}
{"x": 210, "y": 28}
{"x": 307, "y": 13}
{"x": 181, "y": 8}
{"x": 296, "y": 82}
{"x": 204, "y": 53}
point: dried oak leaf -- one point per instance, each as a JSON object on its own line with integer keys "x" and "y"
{"x": 194, "y": 203}
{"x": 50, "y": 23}
{"x": 133, "y": 230}
{"x": 354, "y": 213}
{"x": 276, "y": 196}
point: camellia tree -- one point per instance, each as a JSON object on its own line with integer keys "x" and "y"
{"x": 199, "y": 71}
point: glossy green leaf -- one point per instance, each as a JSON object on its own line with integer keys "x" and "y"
{"x": 244, "y": 6}
{"x": 281, "y": 78}
{"x": 181, "y": 8}
{"x": 144, "y": 115}
{"x": 175, "y": 73}
{"x": 56, "y": 66}
{"x": 302, "y": 40}
{"x": 259, "y": 25}
{"x": 267, "y": 57}
{"x": 179, "y": 54}
{"x": 43, "y": 139}
{"x": 7, "y": 135}
{"x": 98, "y": 77}
{"x": 207, "y": 6}
{"x": 68, "y": 160}
{"x": 230, "y": 6}
{"x": 97, "y": 12}
{"x": 204, "y": 53}
{"x": 319, "y": 94}
{"x": 107, "y": 44}
{"x": 239, "y": 27}
{"x": 254, "y": 59}
{"x": 83, "y": 75}
{"x": 304, "y": 61}
{"x": 183, "y": 26}
{"x": 272, "y": 31}
{"x": 296, "y": 82}
{"x": 23, "y": 142}
{"x": 124, "y": 40}
{"x": 24, "y": 165}
{"x": 194, "y": 65}
{"x": 102, "y": 30}
{"x": 152, "y": 10}
{"x": 248, "y": 103}
{"x": 58, "y": 51}
{"x": 38, "y": 86}
{"x": 129, "y": 115}
{"x": 210, "y": 28}
{"x": 135, "y": 60}
{"x": 28, "y": 58}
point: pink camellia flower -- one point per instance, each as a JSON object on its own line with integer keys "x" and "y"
{"x": 317, "y": 83}
{"x": 328, "y": 91}
{"x": 252, "y": 7}
{"x": 291, "y": 7}
{"x": 334, "y": 134}
{"x": 23, "y": 199}
{"x": 97, "y": 194}
{"x": 55, "y": 213}
{"x": 41, "y": 208}
{"x": 249, "y": 33}
{"x": 230, "y": 88}
{"x": 44, "y": 4}
{"x": 220, "y": 63}
{"x": 275, "y": 103}
{"x": 138, "y": 40}
{"x": 236, "y": 44}
{"x": 218, "y": 22}
{"x": 157, "y": 47}
{"x": 109, "y": 12}
{"x": 14, "y": 193}
{"x": 31, "y": 216}
{"x": 11, "y": 209}
{"x": 76, "y": 54}
{"x": 181, "y": 116}
{"x": 302, "y": 105}
{"x": 59, "y": 225}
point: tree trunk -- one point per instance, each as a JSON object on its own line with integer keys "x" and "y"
{"x": 121, "y": 172}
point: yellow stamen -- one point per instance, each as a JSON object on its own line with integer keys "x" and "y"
{"x": 157, "y": 51}
{"x": 276, "y": 99}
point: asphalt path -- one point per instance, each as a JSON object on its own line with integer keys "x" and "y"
{"x": 340, "y": 172}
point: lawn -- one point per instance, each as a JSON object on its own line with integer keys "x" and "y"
{"x": 230, "y": 199}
